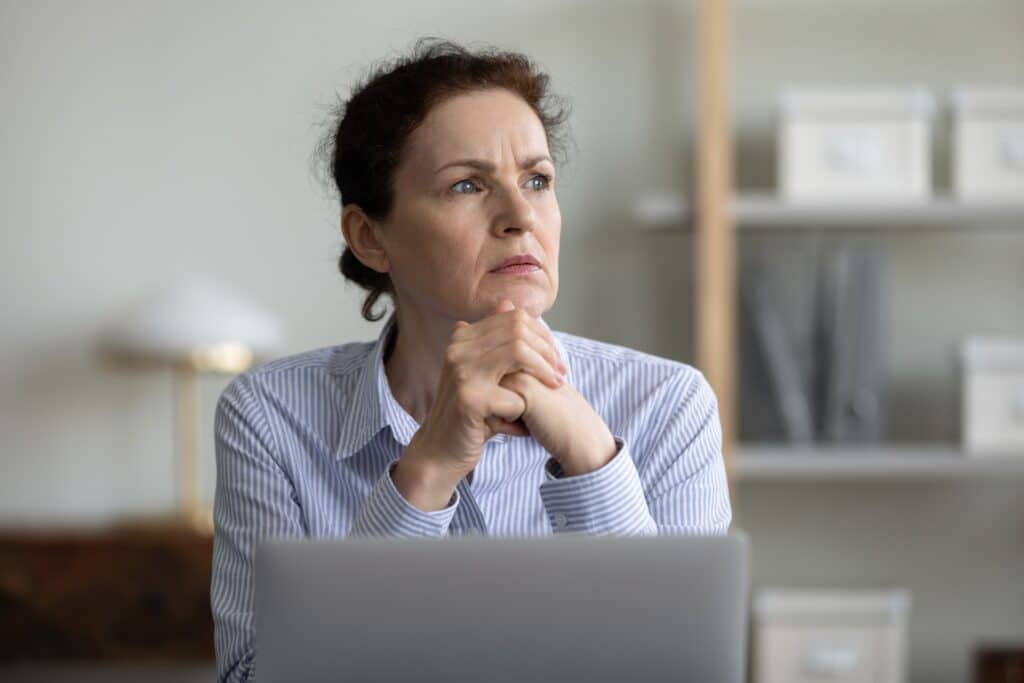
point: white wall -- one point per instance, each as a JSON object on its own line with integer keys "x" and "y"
{"x": 143, "y": 140}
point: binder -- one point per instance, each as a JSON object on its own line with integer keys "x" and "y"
{"x": 777, "y": 351}
{"x": 850, "y": 349}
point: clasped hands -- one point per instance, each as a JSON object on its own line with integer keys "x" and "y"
{"x": 560, "y": 419}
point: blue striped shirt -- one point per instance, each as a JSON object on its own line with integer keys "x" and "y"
{"x": 305, "y": 445}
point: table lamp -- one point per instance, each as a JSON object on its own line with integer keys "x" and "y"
{"x": 193, "y": 326}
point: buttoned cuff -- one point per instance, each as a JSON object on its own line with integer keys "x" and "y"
{"x": 609, "y": 500}
{"x": 386, "y": 512}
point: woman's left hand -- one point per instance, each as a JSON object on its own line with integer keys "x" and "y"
{"x": 562, "y": 422}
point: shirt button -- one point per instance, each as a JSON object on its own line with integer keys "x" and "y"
{"x": 561, "y": 521}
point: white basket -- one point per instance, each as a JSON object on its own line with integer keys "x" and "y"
{"x": 988, "y": 143}
{"x": 854, "y": 636}
{"x": 993, "y": 396}
{"x": 855, "y": 143}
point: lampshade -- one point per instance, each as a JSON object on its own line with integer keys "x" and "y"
{"x": 197, "y": 322}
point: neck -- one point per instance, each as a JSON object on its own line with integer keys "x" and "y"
{"x": 413, "y": 365}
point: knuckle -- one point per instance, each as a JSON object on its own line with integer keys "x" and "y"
{"x": 516, "y": 383}
{"x": 520, "y": 349}
{"x": 460, "y": 373}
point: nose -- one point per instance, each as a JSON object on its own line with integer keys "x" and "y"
{"x": 515, "y": 213}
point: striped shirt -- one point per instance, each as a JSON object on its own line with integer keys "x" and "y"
{"x": 305, "y": 445}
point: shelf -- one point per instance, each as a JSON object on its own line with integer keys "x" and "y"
{"x": 783, "y": 462}
{"x": 767, "y": 211}
{"x": 762, "y": 211}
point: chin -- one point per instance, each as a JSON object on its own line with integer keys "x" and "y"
{"x": 534, "y": 303}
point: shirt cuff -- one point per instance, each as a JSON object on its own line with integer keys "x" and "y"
{"x": 609, "y": 500}
{"x": 386, "y": 512}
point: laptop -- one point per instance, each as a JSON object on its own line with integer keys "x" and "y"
{"x": 512, "y": 609}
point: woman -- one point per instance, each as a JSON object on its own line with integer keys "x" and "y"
{"x": 468, "y": 414}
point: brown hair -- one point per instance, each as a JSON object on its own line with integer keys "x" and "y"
{"x": 369, "y": 130}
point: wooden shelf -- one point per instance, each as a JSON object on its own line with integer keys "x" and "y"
{"x": 760, "y": 211}
{"x": 783, "y": 462}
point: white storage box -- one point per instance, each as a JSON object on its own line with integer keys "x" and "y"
{"x": 988, "y": 143}
{"x": 849, "y": 636}
{"x": 852, "y": 144}
{"x": 993, "y": 396}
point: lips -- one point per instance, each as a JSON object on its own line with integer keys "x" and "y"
{"x": 520, "y": 260}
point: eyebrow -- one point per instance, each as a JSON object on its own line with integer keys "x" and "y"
{"x": 484, "y": 165}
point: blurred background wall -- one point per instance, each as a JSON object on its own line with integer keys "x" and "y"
{"x": 144, "y": 140}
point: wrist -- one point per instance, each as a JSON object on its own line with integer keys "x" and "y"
{"x": 427, "y": 485}
{"x": 590, "y": 459}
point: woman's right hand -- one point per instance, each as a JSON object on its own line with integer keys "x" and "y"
{"x": 470, "y": 406}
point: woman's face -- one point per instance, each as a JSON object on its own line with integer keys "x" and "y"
{"x": 474, "y": 187}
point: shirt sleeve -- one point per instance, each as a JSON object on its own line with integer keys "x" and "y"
{"x": 683, "y": 472}
{"x": 608, "y": 500}
{"x": 253, "y": 500}
{"x": 386, "y": 512}
{"x": 678, "y": 487}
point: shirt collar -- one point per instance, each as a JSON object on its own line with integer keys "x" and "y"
{"x": 373, "y": 407}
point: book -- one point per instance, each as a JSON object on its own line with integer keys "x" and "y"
{"x": 778, "y": 354}
{"x": 849, "y": 383}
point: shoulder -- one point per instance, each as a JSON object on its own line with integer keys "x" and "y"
{"x": 652, "y": 402}
{"x": 289, "y": 377}
{"x": 595, "y": 364}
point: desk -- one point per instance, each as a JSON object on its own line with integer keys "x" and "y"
{"x": 107, "y": 595}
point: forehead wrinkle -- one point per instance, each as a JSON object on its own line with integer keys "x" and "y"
{"x": 450, "y": 146}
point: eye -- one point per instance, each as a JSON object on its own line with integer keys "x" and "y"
{"x": 545, "y": 181}
{"x": 464, "y": 183}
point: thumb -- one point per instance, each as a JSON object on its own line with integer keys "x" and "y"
{"x": 504, "y": 306}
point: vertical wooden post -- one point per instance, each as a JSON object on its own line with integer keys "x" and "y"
{"x": 187, "y": 446}
{"x": 715, "y": 248}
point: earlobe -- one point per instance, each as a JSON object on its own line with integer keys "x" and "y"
{"x": 360, "y": 234}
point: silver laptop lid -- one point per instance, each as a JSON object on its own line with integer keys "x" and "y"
{"x": 565, "y": 608}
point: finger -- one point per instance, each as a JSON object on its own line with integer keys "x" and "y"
{"x": 505, "y": 314}
{"x": 545, "y": 348}
{"x": 538, "y": 328}
{"x": 504, "y": 306}
{"x": 484, "y": 325}
{"x": 495, "y": 330}
{"x": 542, "y": 331}
{"x": 545, "y": 343}
{"x": 500, "y": 426}
{"x": 515, "y": 355}
{"x": 457, "y": 330}
{"x": 505, "y": 404}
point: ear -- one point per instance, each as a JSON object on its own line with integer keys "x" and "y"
{"x": 361, "y": 236}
